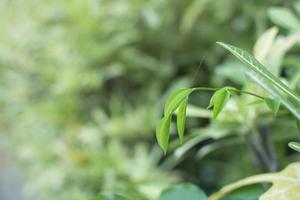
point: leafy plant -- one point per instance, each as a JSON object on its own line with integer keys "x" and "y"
{"x": 270, "y": 83}
{"x": 218, "y": 101}
{"x": 221, "y": 96}
{"x": 278, "y": 93}
{"x": 268, "y": 80}
{"x": 84, "y": 81}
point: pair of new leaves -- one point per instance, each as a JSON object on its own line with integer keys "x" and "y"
{"x": 179, "y": 100}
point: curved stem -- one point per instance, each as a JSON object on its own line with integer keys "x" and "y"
{"x": 249, "y": 93}
{"x": 205, "y": 89}
{"x": 230, "y": 89}
{"x": 262, "y": 178}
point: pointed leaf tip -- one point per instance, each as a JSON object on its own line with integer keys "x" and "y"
{"x": 295, "y": 146}
{"x": 223, "y": 44}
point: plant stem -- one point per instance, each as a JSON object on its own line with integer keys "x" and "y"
{"x": 249, "y": 93}
{"x": 230, "y": 89}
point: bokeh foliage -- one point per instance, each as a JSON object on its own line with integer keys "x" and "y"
{"x": 82, "y": 84}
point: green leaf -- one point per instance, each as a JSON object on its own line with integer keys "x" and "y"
{"x": 267, "y": 80}
{"x": 257, "y": 67}
{"x": 181, "y": 118}
{"x": 252, "y": 192}
{"x": 291, "y": 105}
{"x": 219, "y": 100}
{"x": 295, "y": 146}
{"x": 175, "y": 99}
{"x": 273, "y": 104}
{"x": 162, "y": 132}
{"x": 211, "y": 102}
{"x": 185, "y": 191}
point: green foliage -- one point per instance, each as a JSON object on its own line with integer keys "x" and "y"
{"x": 273, "y": 104}
{"x": 175, "y": 100}
{"x": 179, "y": 100}
{"x": 219, "y": 100}
{"x": 268, "y": 81}
{"x": 162, "y": 132}
{"x": 280, "y": 93}
{"x": 183, "y": 191}
{"x": 257, "y": 67}
{"x": 181, "y": 118}
{"x": 109, "y": 197}
{"x": 252, "y": 192}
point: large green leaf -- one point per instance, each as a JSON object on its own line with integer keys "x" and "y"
{"x": 162, "y": 132}
{"x": 175, "y": 99}
{"x": 181, "y": 118}
{"x": 185, "y": 191}
{"x": 267, "y": 80}
{"x": 257, "y": 67}
{"x": 291, "y": 105}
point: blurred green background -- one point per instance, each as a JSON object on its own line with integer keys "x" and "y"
{"x": 83, "y": 82}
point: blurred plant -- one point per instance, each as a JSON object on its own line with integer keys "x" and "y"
{"x": 80, "y": 81}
